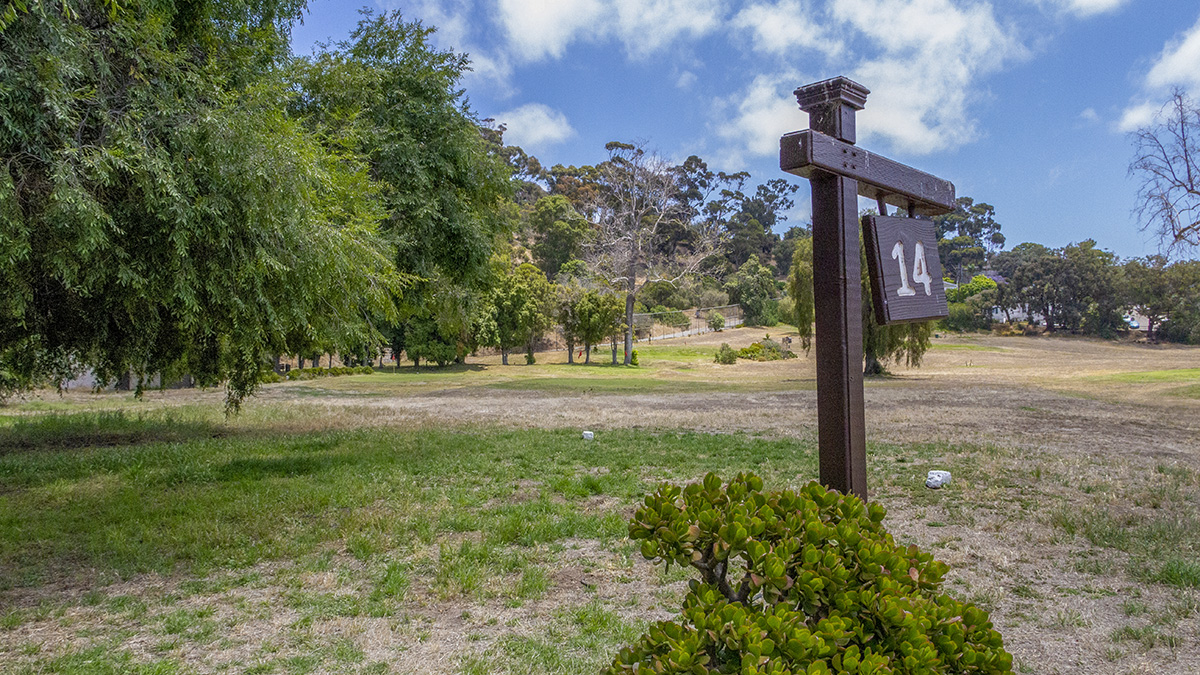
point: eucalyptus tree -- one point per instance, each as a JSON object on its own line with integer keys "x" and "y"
{"x": 159, "y": 209}
{"x": 638, "y": 215}
{"x": 1167, "y": 163}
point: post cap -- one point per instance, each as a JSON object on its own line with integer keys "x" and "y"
{"x": 839, "y": 89}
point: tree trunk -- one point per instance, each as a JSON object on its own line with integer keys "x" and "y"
{"x": 587, "y": 350}
{"x": 504, "y": 356}
{"x": 872, "y": 366}
{"x": 1150, "y": 329}
{"x": 529, "y": 360}
{"x": 614, "y": 350}
{"x": 570, "y": 352}
{"x": 629, "y": 325}
{"x": 299, "y": 363}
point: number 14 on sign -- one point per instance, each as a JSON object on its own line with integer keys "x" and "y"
{"x": 920, "y": 270}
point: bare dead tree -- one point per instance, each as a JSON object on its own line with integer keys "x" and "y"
{"x": 1167, "y": 161}
{"x": 638, "y": 213}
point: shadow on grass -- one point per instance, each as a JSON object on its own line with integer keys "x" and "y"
{"x": 431, "y": 370}
{"x": 101, "y": 429}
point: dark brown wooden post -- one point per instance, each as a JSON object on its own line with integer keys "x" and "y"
{"x": 837, "y": 290}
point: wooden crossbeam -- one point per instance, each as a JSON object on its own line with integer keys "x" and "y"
{"x": 805, "y": 153}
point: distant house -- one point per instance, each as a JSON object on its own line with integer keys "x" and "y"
{"x": 994, "y": 276}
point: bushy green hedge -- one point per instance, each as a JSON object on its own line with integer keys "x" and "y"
{"x": 794, "y": 582}
{"x": 313, "y": 373}
{"x": 270, "y": 377}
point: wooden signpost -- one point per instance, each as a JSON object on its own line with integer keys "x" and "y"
{"x": 839, "y": 172}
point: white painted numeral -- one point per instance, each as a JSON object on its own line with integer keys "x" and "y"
{"x": 905, "y": 289}
{"x": 920, "y": 271}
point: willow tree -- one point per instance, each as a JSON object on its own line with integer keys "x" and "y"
{"x": 907, "y": 342}
{"x": 160, "y": 210}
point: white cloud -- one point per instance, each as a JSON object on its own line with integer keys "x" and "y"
{"x": 452, "y": 18}
{"x": 1179, "y": 63}
{"x": 686, "y": 79}
{"x": 535, "y": 125}
{"x": 932, "y": 55}
{"x": 1177, "y": 66}
{"x": 1138, "y": 116}
{"x": 540, "y": 29}
{"x": 1089, "y": 115}
{"x": 784, "y": 27}
{"x": 646, "y": 26}
{"x": 758, "y": 116}
{"x": 1086, "y": 7}
{"x": 537, "y": 29}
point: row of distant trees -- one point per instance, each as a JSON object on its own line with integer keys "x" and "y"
{"x": 181, "y": 194}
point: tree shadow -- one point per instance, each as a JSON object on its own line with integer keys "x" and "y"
{"x": 101, "y": 429}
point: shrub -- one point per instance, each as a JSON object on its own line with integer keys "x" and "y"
{"x": 633, "y": 360}
{"x": 270, "y": 377}
{"x": 716, "y": 321}
{"x": 978, "y": 284}
{"x": 797, "y": 582}
{"x": 726, "y": 355}
{"x": 313, "y": 373}
{"x": 766, "y": 350}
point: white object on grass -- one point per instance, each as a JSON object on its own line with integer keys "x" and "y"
{"x": 937, "y": 479}
{"x": 587, "y": 435}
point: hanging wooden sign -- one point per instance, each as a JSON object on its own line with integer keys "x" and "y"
{"x": 905, "y": 271}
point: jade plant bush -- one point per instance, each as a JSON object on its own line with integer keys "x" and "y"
{"x": 794, "y": 582}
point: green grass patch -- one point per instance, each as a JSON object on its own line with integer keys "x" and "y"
{"x": 961, "y": 347}
{"x": 1191, "y": 391}
{"x": 1179, "y": 375}
{"x": 1162, "y": 546}
{"x": 203, "y": 504}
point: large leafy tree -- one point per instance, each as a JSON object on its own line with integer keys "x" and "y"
{"x": 1148, "y": 289}
{"x": 753, "y": 287}
{"x": 752, "y": 225}
{"x": 600, "y": 315}
{"x": 442, "y": 175}
{"x": 558, "y": 231}
{"x": 967, "y": 237}
{"x": 522, "y": 310}
{"x": 159, "y": 208}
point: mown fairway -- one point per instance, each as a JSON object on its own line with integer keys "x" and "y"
{"x": 454, "y": 521}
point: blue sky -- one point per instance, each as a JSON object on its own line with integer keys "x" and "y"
{"x": 1024, "y": 104}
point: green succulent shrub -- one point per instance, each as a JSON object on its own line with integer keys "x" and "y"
{"x": 726, "y": 355}
{"x": 633, "y": 358}
{"x": 804, "y": 581}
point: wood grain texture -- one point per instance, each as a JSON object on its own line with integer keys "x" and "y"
{"x": 804, "y": 153}
{"x": 881, "y": 234}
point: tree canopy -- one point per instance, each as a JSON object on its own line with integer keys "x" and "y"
{"x": 159, "y": 205}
